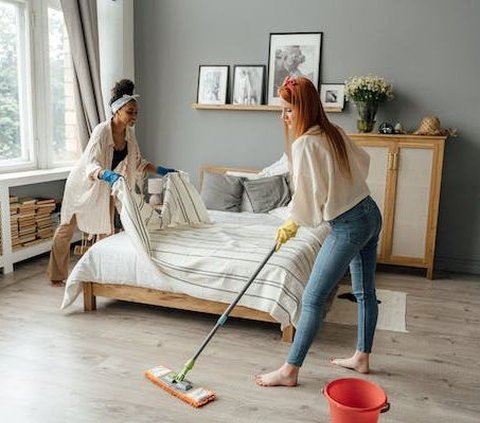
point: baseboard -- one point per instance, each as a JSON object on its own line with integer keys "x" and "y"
{"x": 457, "y": 265}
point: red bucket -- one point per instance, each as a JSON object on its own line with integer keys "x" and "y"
{"x": 355, "y": 400}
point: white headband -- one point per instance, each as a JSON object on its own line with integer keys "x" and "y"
{"x": 120, "y": 102}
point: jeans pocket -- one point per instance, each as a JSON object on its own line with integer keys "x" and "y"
{"x": 358, "y": 231}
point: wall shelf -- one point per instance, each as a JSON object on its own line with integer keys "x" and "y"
{"x": 256, "y": 108}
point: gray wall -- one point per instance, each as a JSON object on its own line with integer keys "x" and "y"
{"x": 428, "y": 49}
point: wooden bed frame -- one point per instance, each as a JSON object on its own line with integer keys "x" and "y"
{"x": 91, "y": 290}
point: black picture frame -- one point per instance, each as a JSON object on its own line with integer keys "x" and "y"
{"x": 248, "y": 85}
{"x": 213, "y": 82}
{"x": 293, "y": 54}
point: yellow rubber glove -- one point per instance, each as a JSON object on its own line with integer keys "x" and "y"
{"x": 285, "y": 232}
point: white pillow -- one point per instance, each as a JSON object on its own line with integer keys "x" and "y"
{"x": 281, "y": 212}
{"x": 238, "y": 174}
{"x": 245, "y": 206}
{"x": 280, "y": 167}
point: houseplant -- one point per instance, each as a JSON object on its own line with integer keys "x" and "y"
{"x": 367, "y": 92}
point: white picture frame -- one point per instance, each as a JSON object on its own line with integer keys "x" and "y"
{"x": 332, "y": 96}
{"x": 212, "y": 84}
{"x": 293, "y": 54}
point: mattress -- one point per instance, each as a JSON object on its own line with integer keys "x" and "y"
{"x": 210, "y": 262}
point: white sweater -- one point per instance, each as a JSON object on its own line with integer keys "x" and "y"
{"x": 85, "y": 195}
{"x": 321, "y": 191}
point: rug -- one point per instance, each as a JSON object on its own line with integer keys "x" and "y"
{"x": 392, "y": 310}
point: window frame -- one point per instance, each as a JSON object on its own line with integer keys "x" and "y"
{"x": 36, "y": 80}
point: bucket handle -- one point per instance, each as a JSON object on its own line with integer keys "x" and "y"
{"x": 385, "y": 408}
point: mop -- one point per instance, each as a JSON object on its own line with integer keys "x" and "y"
{"x": 175, "y": 383}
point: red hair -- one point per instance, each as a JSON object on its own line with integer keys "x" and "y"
{"x": 308, "y": 110}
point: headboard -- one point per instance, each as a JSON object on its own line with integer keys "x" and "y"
{"x": 222, "y": 169}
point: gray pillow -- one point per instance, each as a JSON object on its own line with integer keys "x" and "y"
{"x": 266, "y": 194}
{"x": 222, "y": 192}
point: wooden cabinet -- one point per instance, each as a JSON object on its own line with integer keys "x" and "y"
{"x": 404, "y": 178}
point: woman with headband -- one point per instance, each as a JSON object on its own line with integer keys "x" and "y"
{"x": 328, "y": 174}
{"x": 112, "y": 152}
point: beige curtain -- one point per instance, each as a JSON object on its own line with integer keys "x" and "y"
{"x": 82, "y": 27}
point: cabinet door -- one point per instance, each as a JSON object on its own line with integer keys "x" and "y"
{"x": 377, "y": 180}
{"x": 412, "y": 196}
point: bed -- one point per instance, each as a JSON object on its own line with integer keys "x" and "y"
{"x": 203, "y": 268}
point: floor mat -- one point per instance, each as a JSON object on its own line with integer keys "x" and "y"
{"x": 392, "y": 310}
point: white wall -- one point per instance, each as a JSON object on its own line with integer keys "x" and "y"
{"x": 115, "y": 26}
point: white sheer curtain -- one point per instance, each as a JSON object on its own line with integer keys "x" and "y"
{"x": 82, "y": 26}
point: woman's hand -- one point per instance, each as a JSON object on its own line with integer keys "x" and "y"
{"x": 285, "y": 232}
{"x": 164, "y": 170}
{"x": 110, "y": 177}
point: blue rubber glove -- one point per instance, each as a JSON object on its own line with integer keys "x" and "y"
{"x": 110, "y": 177}
{"x": 164, "y": 170}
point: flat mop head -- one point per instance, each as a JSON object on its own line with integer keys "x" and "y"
{"x": 185, "y": 390}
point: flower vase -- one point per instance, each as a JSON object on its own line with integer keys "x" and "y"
{"x": 366, "y": 113}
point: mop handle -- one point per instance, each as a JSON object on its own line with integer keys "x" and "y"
{"x": 223, "y": 318}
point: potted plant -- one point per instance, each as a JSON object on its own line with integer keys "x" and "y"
{"x": 367, "y": 92}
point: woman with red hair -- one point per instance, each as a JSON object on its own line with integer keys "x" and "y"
{"x": 329, "y": 179}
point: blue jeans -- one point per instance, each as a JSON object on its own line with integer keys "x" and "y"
{"x": 352, "y": 242}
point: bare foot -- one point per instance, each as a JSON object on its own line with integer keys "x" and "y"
{"x": 58, "y": 283}
{"x": 359, "y": 362}
{"x": 287, "y": 375}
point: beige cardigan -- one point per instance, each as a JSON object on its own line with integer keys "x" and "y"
{"x": 321, "y": 191}
{"x": 87, "y": 197}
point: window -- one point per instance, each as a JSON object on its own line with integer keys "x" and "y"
{"x": 37, "y": 110}
{"x": 63, "y": 121}
{"x": 14, "y": 120}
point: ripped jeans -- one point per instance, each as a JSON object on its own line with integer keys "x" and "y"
{"x": 352, "y": 242}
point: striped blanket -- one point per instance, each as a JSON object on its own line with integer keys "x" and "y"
{"x": 182, "y": 206}
{"x": 207, "y": 261}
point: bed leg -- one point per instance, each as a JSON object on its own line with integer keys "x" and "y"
{"x": 89, "y": 300}
{"x": 288, "y": 333}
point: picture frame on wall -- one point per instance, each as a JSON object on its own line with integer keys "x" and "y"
{"x": 212, "y": 84}
{"x": 248, "y": 84}
{"x": 332, "y": 96}
{"x": 293, "y": 54}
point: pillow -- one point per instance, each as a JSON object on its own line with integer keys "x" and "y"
{"x": 281, "y": 212}
{"x": 222, "y": 192}
{"x": 245, "y": 205}
{"x": 278, "y": 168}
{"x": 269, "y": 193}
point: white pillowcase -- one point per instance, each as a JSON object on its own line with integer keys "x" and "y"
{"x": 280, "y": 167}
{"x": 281, "y": 212}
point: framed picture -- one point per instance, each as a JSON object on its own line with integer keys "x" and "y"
{"x": 212, "y": 84}
{"x": 248, "y": 84}
{"x": 292, "y": 54}
{"x": 333, "y": 95}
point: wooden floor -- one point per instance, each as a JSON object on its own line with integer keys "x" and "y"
{"x": 68, "y": 366}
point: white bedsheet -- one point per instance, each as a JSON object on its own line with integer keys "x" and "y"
{"x": 212, "y": 262}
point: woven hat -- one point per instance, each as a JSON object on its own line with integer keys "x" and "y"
{"x": 430, "y": 125}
